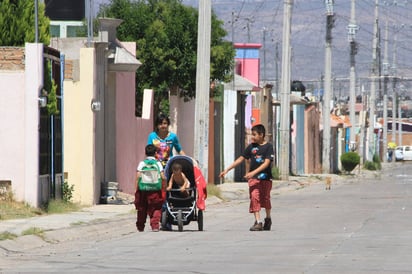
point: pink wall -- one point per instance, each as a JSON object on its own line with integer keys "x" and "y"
{"x": 248, "y": 61}
{"x": 20, "y": 82}
{"x": 132, "y": 132}
{"x": 182, "y": 119}
{"x": 247, "y": 65}
{"x": 249, "y": 69}
{"x": 12, "y": 135}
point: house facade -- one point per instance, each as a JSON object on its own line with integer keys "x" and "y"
{"x": 102, "y": 139}
{"x": 21, "y": 76}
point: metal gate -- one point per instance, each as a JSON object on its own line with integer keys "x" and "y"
{"x": 240, "y": 136}
{"x": 51, "y": 132}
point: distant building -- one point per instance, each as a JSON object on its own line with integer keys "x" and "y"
{"x": 66, "y": 17}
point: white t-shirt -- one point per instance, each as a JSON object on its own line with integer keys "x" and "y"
{"x": 142, "y": 164}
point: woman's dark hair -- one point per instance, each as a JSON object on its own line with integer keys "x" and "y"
{"x": 161, "y": 118}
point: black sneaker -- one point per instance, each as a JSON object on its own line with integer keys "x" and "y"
{"x": 167, "y": 227}
{"x": 256, "y": 227}
{"x": 268, "y": 224}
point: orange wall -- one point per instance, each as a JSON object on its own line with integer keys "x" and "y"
{"x": 256, "y": 116}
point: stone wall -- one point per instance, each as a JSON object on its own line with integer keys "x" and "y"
{"x": 5, "y": 190}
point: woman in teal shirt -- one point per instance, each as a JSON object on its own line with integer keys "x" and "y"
{"x": 164, "y": 140}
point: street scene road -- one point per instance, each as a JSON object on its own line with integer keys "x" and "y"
{"x": 361, "y": 225}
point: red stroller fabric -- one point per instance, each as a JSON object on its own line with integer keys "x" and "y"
{"x": 201, "y": 188}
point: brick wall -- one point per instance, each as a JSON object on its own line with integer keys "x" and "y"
{"x": 12, "y": 58}
{"x": 406, "y": 138}
{"x": 68, "y": 69}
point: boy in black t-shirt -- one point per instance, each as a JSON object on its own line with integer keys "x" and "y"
{"x": 259, "y": 176}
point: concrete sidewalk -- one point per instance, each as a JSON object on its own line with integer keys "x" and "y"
{"x": 59, "y": 221}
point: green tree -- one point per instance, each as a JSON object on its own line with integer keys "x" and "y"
{"x": 166, "y": 35}
{"x": 17, "y": 23}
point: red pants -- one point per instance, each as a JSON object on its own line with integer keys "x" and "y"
{"x": 148, "y": 203}
{"x": 259, "y": 194}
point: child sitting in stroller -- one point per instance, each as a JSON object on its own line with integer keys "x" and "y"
{"x": 178, "y": 180}
{"x": 185, "y": 198}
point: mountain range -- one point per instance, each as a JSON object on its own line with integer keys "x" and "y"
{"x": 261, "y": 21}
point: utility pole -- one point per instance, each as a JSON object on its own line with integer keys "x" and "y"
{"x": 89, "y": 11}
{"x": 385, "y": 97}
{"x": 328, "y": 87}
{"x": 285, "y": 92}
{"x": 394, "y": 97}
{"x": 372, "y": 97}
{"x": 233, "y": 26}
{"x": 203, "y": 86}
{"x": 264, "y": 53}
{"x": 249, "y": 21}
{"x": 276, "y": 123}
{"x": 352, "y": 29}
{"x": 36, "y": 21}
{"x": 233, "y": 45}
{"x": 394, "y": 106}
{"x": 277, "y": 70}
{"x": 395, "y": 93}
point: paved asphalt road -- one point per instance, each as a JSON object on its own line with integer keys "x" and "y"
{"x": 362, "y": 225}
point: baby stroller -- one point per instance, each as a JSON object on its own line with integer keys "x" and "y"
{"x": 181, "y": 210}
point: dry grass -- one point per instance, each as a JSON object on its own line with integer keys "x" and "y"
{"x": 34, "y": 231}
{"x": 60, "y": 206}
{"x": 7, "y": 236}
{"x": 10, "y": 209}
{"x": 213, "y": 190}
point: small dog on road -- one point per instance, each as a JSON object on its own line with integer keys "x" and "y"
{"x": 328, "y": 182}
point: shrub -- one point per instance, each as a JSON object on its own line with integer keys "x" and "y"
{"x": 349, "y": 160}
{"x": 377, "y": 162}
{"x": 67, "y": 191}
{"x": 369, "y": 165}
{"x": 275, "y": 173}
{"x": 374, "y": 165}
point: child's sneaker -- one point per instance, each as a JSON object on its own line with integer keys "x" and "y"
{"x": 256, "y": 227}
{"x": 268, "y": 224}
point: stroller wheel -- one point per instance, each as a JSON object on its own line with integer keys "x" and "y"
{"x": 180, "y": 220}
{"x": 164, "y": 219}
{"x": 200, "y": 220}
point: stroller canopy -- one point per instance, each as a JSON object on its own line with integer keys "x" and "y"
{"x": 193, "y": 174}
